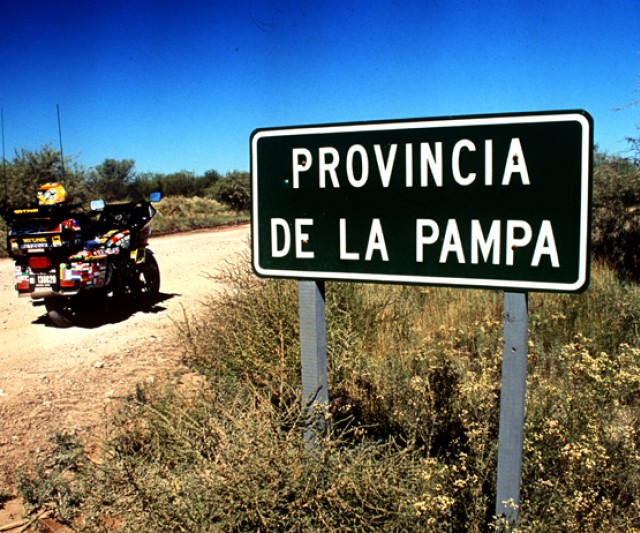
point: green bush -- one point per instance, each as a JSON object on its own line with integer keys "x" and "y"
{"x": 234, "y": 190}
{"x": 616, "y": 214}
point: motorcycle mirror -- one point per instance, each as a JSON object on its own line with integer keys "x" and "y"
{"x": 155, "y": 196}
{"x": 97, "y": 205}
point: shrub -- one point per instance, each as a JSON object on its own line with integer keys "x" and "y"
{"x": 234, "y": 190}
{"x": 581, "y": 467}
{"x": 178, "y": 213}
{"x": 616, "y": 214}
{"x": 232, "y": 461}
{"x": 57, "y": 484}
{"x": 412, "y": 395}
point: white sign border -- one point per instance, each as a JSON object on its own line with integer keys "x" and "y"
{"x": 508, "y": 119}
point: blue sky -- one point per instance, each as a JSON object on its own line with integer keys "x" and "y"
{"x": 181, "y": 85}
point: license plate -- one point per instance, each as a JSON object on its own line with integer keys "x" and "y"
{"x": 46, "y": 279}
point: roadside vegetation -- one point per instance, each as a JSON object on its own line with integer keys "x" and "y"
{"x": 414, "y": 389}
{"x": 181, "y": 213}
{"x": 189, "y": 202}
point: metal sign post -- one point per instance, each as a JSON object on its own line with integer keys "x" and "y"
{"x": 512, "y": 400}
{"x": 313, "y": 357}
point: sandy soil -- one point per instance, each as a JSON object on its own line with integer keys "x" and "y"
{"x": 65, "y": 379}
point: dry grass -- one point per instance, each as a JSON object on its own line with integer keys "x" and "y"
{"x": 414, "y": 388}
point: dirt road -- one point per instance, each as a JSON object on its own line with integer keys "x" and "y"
{"x": 63, "y": 379}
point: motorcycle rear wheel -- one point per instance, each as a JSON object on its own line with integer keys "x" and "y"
{"x": 59, "y": 312}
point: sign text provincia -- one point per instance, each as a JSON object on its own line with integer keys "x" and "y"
{"x": 500, "y": 201}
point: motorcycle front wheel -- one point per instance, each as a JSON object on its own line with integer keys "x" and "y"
{"x": 149, "y": 276}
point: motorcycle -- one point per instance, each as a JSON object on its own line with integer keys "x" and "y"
{"x": 75, "y": 261}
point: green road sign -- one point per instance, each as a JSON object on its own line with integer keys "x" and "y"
{"x": 493, "y": 201}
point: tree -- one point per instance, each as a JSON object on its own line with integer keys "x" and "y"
{"x": 634, "y": 148}
{"x": 111, "y": 180}
{"x": 30, "y": 169}
{"x": 147, "y": 182}
{"x": 183, "y": 183}
{"x": 210, "y": 178}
